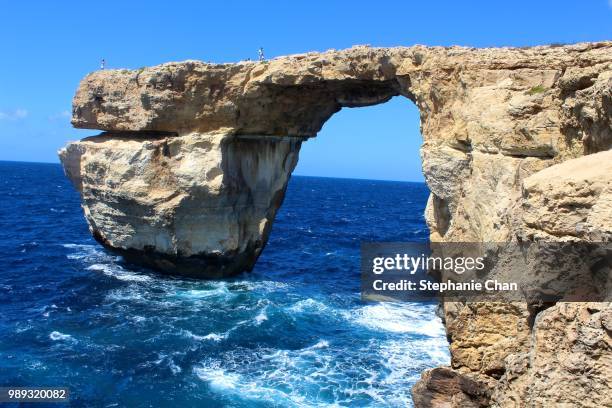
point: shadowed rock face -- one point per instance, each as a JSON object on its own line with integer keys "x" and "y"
{"x": 196, "y": 160}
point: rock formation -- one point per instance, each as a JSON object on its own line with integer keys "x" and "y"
{"x": 198, "y": 204}
{"x": 196, "y": 157}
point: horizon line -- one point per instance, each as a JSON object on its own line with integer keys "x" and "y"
{"x": 297, "y": 175}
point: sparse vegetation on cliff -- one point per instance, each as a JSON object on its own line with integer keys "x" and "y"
{"x": 538, "y": 89}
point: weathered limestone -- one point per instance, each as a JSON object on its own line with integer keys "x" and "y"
{"x": 198, "y": 204}
{"x": 544, "y": 354}
{"x": 572, "y": 200}
{"x": 567, "y": 363}
{"x": 197, "y": 158}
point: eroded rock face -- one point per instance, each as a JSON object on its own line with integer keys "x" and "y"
{"x": 572, "y": 200}
{"x": 444, "y": 387}
{"x": 533, "y": 354}
{"x": 568, "y": 361}
{"x": 199, "y": 204}
{"x": 197, "y": 158}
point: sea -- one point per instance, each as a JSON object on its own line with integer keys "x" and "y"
{"x": 291, "y": 333}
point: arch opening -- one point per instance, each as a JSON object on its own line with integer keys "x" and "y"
{"x": 379, "y": 142}
{"x": 352, "y": 186}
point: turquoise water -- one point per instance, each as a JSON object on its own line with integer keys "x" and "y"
{"x": 293, "y": 333}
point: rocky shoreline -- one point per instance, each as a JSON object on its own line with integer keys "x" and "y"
{"x": 196, "y": 158}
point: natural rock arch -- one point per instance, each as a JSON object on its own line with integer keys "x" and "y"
{"x": 196, "y": 159}
{"x": 488, "y": 118}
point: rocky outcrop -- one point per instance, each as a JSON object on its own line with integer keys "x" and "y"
{"x": 198, "y": 204}
{"x": 569, "y": 201}
{"x": 196, "y": 158}
{"x": 445, "y": 387}
{"x": 534, "y": 353}
{"x": 568, "y": 361}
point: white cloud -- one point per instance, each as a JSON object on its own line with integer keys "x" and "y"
{"x": 13, "y": 115}
{"x": 65, "y": 114}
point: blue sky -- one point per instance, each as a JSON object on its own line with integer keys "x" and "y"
{"x": 47, "y": 47}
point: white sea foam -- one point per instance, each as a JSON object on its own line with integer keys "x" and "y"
{"x": 287, "y": 377}
{"x": 215, "y": 336}
{"x": 210, "y": 336}
{"x": 232, "y": 383}
{"x": 77, "y": 246}
{"x": 261, "y": 317}
{"x": 99, "y": 260}
{"x": 23, "y": 327}
{"x": 36, "y": 365}
{"x": 313, "y": 352}
{"x": 82, "y": 251}
{"x": 431, "y": 328}
{"x": 213, "y": 290}
{"x": 382, "y": 370}
{"x": 354, "y": 373}
{"x": 58, "y": 336}
{"x": 437, "y": 349}
{"x": 217, "y": 377}
{"x": 401, "y": 357}
{"x": 397, "y": 318}
{"x": 263, "y": 286}
{"x": 130, "y": 293}
{"x": 308, "y": 305}
{"x": 139, "y": 319}
{"x": 319, "y": 345}
{"x": 282, "y": 377}
{"x": 118, "y": 272}
{"x": 174, "y": 368}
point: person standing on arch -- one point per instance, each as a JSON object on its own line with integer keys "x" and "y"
{"x": 260, "y": 52}
{"x": 102, "y": 63}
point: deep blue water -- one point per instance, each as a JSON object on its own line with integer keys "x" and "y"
{"x": 291, "y": 333}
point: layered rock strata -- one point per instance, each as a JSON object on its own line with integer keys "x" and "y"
{"x": 196, "y": 158}
{"x": 197, "y": 204}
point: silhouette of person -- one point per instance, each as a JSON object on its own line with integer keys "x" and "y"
{"x": 260, "y": 52}
{"x": 103, "y": 63}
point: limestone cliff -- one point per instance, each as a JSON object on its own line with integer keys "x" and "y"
{"x": 196, "y": 158}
